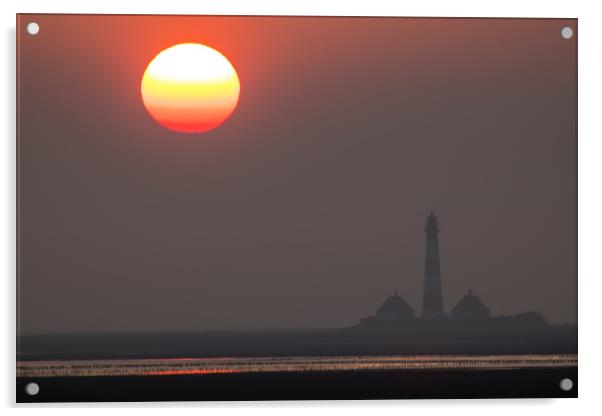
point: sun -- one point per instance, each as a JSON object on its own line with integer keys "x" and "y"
{"x": 190, "y": 88}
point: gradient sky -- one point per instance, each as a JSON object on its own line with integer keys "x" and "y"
{"x": 307, "y": 207}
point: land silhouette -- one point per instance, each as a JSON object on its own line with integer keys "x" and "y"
{"x": 393, "y": 329}
{"x": 469, "y": 315}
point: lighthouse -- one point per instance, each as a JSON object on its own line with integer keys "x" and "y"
{"x": 432, "y": 301}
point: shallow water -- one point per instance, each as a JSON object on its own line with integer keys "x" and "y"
{"x": 200, "y": 366}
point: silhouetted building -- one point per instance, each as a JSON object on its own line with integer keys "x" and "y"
{"x": 469, "y": 313}
{"x": 394, "y": 309}
{"x": 470, "y": 307}
{"x": 432, "y": 301}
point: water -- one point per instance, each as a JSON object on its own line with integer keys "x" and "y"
{"x": 205, "y": 366}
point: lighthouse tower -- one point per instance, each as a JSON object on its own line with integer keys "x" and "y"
{"x": 432, "y": 301}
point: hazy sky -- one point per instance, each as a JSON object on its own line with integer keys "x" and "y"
{"x": 307, "y": 207}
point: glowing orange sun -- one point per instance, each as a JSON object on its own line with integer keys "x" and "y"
{"x": 190, "y": 88}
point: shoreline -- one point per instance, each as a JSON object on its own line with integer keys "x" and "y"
{"x": 484, "y": 341}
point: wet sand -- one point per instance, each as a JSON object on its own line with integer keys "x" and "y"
{"x": 327, "y": 385}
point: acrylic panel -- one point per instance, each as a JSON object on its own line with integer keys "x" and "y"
{"x": 288, "y": 207}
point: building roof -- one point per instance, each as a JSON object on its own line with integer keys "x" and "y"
{"x": 470, "y": 306}
{"x": 395, "y": 306}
